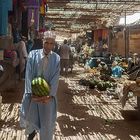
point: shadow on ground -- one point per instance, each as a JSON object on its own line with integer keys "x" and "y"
{"x": 13, "y": 94}
{"x": 89, "y": 124}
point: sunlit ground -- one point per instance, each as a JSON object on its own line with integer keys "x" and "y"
{"x": 83, "y": 114}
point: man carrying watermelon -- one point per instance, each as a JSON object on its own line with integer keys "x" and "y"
{"x": 39, "y": 104}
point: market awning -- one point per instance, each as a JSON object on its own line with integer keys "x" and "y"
{"x": 88, "y": 14}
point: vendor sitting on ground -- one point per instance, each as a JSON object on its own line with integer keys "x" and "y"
{"x": 102, "y": 67}
{"x": 134, "y": 67}
{"x": 123, "y": 63}
{"x": 131, "y": 87}
{"x": 133, "y": 63}
{"x": 116, "y": 70}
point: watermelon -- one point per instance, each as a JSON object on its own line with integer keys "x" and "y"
{"x": 108, "y": 84}
{"x": 92, "y": 85}
{"x": 101, "y": 86}
{"x": 40, "y": 87}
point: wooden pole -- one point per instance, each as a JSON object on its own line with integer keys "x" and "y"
{"x": 126, "y": 34}
{"x": 125, "y": 38}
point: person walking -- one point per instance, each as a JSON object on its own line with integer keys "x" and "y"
{"x": 38, "y": 114}
{"x": 64, "y": 54}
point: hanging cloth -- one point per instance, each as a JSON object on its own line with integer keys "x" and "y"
{"x": 96, "y": 35}
{"x": 99, "y": 34}
{"x": 42, "y": 9}
{"x": 104, "y": 33}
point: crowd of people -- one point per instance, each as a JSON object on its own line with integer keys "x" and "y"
{"x": 44, "y": 56}
{"x": 88, "y": 55}
{"x": 22, "y": 46}
{"x": 114, "y": 64}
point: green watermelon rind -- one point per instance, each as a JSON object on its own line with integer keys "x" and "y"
{"x": 46, "y": 90}
{"x": 40, "y": 87}
{"x": 35, "y": 90}
{"x": 44, "y": 86}
{"x": 37, "y": 87}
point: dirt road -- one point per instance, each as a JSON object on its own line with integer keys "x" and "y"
{"x": 83, "y": 114}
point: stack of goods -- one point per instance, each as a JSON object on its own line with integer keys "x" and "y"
{"x": 102, "y": 83}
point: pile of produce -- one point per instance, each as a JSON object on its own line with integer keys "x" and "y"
{"x": 102, "y": 83}
{"x": 84, "y": 82}
{"x": 40, "y": 87}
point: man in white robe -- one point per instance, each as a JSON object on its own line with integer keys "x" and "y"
{"x": 39, "y": 113}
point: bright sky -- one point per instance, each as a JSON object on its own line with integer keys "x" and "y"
{"x": 130, "y": 19}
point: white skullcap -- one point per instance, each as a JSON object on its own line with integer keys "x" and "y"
{"x": 49, "y": 34}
